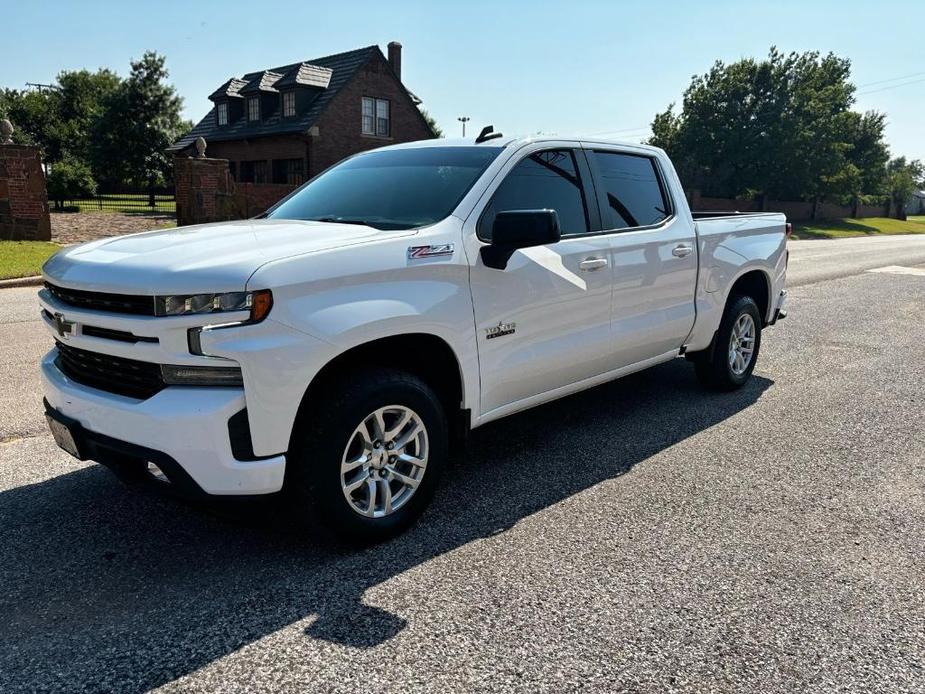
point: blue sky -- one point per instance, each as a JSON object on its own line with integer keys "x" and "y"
{"x": 555, "y": 67}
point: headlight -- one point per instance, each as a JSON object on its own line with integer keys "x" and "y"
{"x": 258, "y": 303}
{"x": 201, "y": 375}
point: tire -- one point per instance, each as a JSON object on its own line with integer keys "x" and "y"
{"x": 333, "y": 437}
{"x": 716, "y": 367}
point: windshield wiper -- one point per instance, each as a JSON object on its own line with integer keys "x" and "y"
{"x": 342, "y": 220}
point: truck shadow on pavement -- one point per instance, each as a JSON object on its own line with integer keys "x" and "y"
{"x": 109, "y": 590}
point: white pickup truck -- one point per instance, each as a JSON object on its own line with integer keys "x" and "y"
{"x": 335, "y": 348}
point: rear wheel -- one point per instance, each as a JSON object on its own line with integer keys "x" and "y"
{"x": 729, "y": 363}
{"x": 366, "y": 461}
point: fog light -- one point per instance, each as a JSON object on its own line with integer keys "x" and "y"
{"x": 201, "y": 375}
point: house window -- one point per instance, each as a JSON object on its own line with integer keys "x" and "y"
{"x": 253, "y": 108}
{"x": 254, "y": 171}
{"x": 222, "y": 113}
{"x": 288, "y": 104}
{"x": 376, "y": 119}
{"x": 291, "y": 171}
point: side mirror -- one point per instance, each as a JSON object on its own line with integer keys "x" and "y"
{"x": 519, "y": 229}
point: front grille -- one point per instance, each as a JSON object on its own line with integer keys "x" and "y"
{"x": 135, "y": 379}
{"x": 101, "y": 301}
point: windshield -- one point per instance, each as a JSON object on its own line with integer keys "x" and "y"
{"x": 390, "y": 189}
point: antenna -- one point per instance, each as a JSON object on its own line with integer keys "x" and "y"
{"x": 488, "y": 133}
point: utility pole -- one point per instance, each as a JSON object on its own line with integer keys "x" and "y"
{"x": 464, "y": 120}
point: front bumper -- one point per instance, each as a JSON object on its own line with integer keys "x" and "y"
{"x": 182, "y": 426}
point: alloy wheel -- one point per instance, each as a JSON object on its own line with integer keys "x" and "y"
{"x": 384, "y": 461}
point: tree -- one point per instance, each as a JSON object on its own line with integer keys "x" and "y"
{"x": 780, "y": 127}
{"x": 904, "y": 178}
{"x": 140, "y": 120}
{"x": 431, "y": 123}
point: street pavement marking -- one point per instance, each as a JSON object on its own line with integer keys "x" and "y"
{"x": 900, "y": 270}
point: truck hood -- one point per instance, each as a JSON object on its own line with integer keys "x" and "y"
{"x": 204, "y": 258}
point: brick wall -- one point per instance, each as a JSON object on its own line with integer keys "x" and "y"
{"x": 207, "y": 193}
{"x": 263, "y": 149}
{"x": 340, "y": 124}
{"x": 23, "y": 197}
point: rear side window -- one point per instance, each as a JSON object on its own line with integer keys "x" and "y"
{"x": 634, "y": 193}
{"x": 547, "y": 180}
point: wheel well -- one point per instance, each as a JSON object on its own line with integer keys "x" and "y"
{"x": 428, "y": 357}
{"x": 755, "y": 285}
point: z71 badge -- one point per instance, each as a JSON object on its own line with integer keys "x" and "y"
{"x": 500, "y": 330}
{"x": 435, "y": 251}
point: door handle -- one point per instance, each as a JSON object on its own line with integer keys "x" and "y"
{"x": 592, "y": 264}
{"x": 682, "y": 250}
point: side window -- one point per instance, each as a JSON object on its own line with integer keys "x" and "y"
{"x": 546, "y": 180}
{"x": 634, "y": 194}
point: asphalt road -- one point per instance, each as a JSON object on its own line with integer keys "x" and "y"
{"x": 644, "y": 536}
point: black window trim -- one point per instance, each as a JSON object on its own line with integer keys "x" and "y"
{"x": 282, "y": 103}
{"x": 589, "y": 197}
{"x": 247, "y": 107}
{"x": 218, "y": 120}
{"x": 601, "y": 193}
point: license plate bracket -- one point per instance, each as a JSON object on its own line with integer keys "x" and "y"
{"x": 64, "y": 435}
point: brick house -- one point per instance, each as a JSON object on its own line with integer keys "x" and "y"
{"x": 286, "y": 124}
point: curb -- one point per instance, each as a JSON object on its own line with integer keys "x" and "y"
{"x": 34, "y": 281}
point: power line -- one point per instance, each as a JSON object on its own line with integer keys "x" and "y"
{"x": 892, "y": 79}
{"x": 892, "y": 86}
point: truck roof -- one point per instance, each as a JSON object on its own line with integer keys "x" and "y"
{"x": 517, "y": 141}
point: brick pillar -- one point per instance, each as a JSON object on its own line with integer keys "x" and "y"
{"x": 204, "y": 189}
{"x": 23, "y": 198}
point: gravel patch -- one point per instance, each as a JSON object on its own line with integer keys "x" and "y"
{"x": 79, "y": 227}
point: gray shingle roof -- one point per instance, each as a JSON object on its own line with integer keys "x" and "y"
{"x": 342, "y": 66}
{"x": 229, "y": 89}
{"x": 307, "y": 75}
{"x": 262, "y": 82}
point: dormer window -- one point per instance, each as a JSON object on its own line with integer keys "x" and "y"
{"x": 221, "y": 113}
{"x": 288, "y": 104}
{"x": 253, "y": 108}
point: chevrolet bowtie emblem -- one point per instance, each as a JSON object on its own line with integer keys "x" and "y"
{"x": 64, "y": 327}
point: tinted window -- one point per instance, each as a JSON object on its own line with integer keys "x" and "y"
{"x": 392, "y": 188}
{"x": 543, "y": 181}
{"x": 634, "y": 194}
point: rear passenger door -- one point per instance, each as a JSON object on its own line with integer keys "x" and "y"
{"x": 654, "y": 254}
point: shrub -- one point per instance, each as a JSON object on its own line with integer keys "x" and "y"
{"x": 70, "y": 179}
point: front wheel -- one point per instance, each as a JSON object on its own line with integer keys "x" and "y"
{"x": 731, "y": 360}
{"x": 366, "y": 461}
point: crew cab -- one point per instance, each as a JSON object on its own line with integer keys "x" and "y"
{"x": 332, "y": 348}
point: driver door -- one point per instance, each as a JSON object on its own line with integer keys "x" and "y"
{"x": 545, "y": 321}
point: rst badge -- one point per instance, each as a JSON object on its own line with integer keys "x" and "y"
{"x": 434, "y": 251}
{"x": 500, "y": 330}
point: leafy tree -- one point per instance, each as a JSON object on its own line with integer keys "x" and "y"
{"x": 59, "y": 119}
{"x": 780, "y": 127}
{"x": 904, "y": 178}
{"x": 432, "y": 123}
{"x": 140, "y": 120}
{"x": 70, "y": 178}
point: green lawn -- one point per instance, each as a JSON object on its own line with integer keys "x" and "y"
{"x": 848, "y": 228}
{"x": 24, "y": 258}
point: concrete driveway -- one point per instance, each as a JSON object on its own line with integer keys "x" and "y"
{"x": 643, "y": 536}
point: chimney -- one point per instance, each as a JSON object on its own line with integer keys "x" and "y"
{"x": 395, "y": 58}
